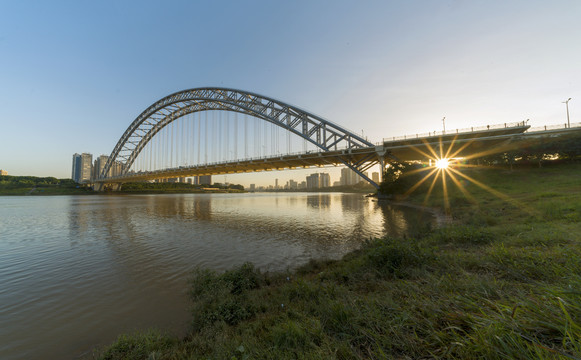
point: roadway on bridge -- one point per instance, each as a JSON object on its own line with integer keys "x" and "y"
{"x": 459, "y": 145}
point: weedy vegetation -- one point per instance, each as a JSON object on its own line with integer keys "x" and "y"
{"x": 502, "y": 281}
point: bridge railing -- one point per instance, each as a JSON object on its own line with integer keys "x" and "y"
{"x": 553, "y": 127}
{"x": 395, "y": 138}
{"x": 455, "y": 131}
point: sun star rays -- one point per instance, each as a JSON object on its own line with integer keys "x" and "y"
{"x": 444, "y": 166}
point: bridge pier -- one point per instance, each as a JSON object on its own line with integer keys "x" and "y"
{"x": 106, "y": 187}
{"x": 381, "y": 160}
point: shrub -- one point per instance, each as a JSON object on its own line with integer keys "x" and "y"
{"x": 222, "y": 297}
{"x": 146, "y": 345}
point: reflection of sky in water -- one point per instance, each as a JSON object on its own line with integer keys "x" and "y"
{"x": 91, "y": 267}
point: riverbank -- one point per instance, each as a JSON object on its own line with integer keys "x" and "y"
{"x": 48, "y": 191}
{"x": 503, "y": 282}
{"x": 37, "y": 186}
{"x": 177, "y": 191}
{"x": 360, "y": 188}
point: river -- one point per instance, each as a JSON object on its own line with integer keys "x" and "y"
{"x": 77, "y": 271}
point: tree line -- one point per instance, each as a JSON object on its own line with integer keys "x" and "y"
{"x": 10, "y": 181}
{"x": 142, "y": 186}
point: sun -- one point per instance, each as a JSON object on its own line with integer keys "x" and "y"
{"x": 446, "y": 167}
{"x": 442, "y": 164}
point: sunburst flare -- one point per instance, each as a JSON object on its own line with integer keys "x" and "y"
{"x": 446, "y": 166}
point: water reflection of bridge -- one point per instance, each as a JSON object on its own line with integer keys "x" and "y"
{"x": 295, "y": 215}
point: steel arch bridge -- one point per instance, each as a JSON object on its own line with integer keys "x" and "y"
{"x": 347, "y": 148}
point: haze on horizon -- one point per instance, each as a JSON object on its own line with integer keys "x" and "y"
{"x": 74, "y": 75}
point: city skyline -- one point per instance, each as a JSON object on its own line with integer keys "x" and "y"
{"x": 85, "y": 170}
{"x": 378, "y": 69}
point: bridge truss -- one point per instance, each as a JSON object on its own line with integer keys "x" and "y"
{"x": 326, "y": 136}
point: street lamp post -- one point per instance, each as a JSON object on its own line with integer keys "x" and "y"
{"x": 567, "y": 105}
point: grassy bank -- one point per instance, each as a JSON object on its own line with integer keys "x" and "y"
{"x": 502, "y": 282}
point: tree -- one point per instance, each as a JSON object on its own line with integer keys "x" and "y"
{"x": 399, "y": 177}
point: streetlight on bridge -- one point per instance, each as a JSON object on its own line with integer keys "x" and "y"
{"x": 567, "y": 105}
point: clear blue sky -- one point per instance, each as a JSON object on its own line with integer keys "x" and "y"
{"x": 74, "y": 74}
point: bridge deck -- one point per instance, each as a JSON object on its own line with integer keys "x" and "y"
{"x": 483, "y": 143}
{"x": 459, "y": 144}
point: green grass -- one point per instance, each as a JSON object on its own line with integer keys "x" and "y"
{"x": 503, "y": 281}
{"x": 46, "y": 190}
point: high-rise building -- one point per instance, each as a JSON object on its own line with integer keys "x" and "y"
{"x": 86, "y": 166}
{"x": 252, "y": 187}
{"x": 205, "y": 180}
{"x": 366, "y": 173}
{"x": 116, "y": 168}
{"x": 313, "y": 181}
{"x": 82, "y": 167}
{"x": 317, "y": 181}
{"x": 355, "y": 178}
{"x": 76, "y": 173}
{"x": 345, "y": 177}
{"x": 349, "y": 177}
{"x": 99, "y": 165}
{"x": 375, "y": 177}
{"x": 276, "y": 184}
{"x": 324, "y": 180}
{"x": 292, "y": 185}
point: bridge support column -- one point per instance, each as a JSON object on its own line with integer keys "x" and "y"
{"x": 106, "y": 187}
{"x": 381, "y": 160}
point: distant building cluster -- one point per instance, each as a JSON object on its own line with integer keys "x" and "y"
{"x": 85, "y": 170}
{"x": 318, "y": 181}
{"x": 3, "y": 172}
{"x": 193, "y": 180}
